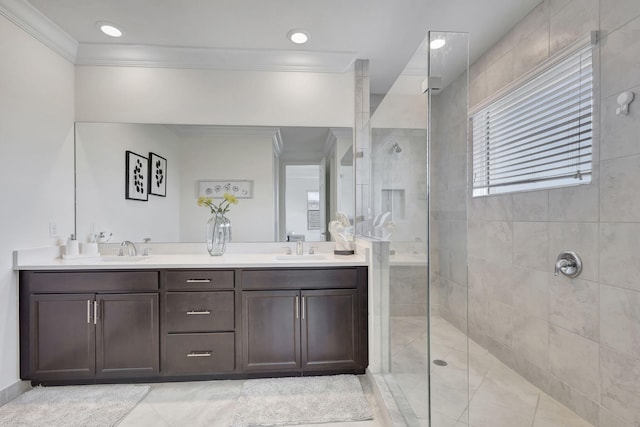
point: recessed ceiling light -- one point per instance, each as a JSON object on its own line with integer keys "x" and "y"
{"x": 437, "y": 43}
{"x": 110, "y": 29}
{"x": 298, "y": 36}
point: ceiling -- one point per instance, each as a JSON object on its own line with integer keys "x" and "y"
{"x": 251, "y": 34}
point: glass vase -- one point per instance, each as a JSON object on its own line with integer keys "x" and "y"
{"x": 218, "y": 234}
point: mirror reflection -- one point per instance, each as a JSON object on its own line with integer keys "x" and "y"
{"x": 290, "y": 181}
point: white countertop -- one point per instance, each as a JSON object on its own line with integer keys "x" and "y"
{"x": 229, "y": 260}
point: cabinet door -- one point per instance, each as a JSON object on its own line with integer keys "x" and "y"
{"x": 127, "y": 334}
{"x": 330, "y": 335}
{"x": 61, "y": 336}
{"x": 271, "y": 330}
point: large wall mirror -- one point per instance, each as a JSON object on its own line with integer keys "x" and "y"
{"x": 290, "y": 180}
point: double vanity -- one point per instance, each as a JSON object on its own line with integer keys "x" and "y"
{"x": 192, "y": 316}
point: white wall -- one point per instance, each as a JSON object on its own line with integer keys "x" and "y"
{"x": 36, "y": 165}
{"x": 161, "y": 95}
{"x": 228, "y": 157}
{"x": 100, "y": 182}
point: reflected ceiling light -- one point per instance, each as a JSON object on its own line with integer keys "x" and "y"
{"x": 437, "y": 43}
{"x": 298, "y": 36}
{"x": 110, "y": 29}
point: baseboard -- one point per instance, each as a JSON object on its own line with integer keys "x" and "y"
{"x": 13, "y": 391}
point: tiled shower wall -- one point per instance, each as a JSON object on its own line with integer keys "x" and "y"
{"x": 448, "y": 203}
{"x": 577, "y": 339}
{"x": 404, "y": 172}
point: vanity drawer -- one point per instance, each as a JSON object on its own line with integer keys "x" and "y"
{"x": 200, "y": 311}
{"x": 306, "y": 278}
{"x": 200, "y": 353}
{"x": 92, "y": 281}
{"x": 199, "y": 280}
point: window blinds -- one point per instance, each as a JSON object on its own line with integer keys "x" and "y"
{"x": 539, "y": 134}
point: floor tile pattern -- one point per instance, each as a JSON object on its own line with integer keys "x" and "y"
{"x": 499, "y": 396}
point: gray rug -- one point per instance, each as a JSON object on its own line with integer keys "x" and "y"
{"x": 301, "y": 400}
{"x": 87, "y": 405}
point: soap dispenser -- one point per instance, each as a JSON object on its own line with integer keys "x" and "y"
{"x": 72, "y": 248}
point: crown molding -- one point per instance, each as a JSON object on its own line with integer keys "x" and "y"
{"x": 123, "y": 55}
{"x": 32, "y": 21}
{"x": 35, "y": 23}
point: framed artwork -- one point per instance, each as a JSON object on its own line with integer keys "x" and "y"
{"x": 137, "y": 168}
{"x": 242, "y": 189}
{"x": 157, "y": 175}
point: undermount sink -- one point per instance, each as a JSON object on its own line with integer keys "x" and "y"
{"x": 122, "y": 259}
{"x": 301, "y": 258}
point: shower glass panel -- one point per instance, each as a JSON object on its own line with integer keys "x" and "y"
{"x": 426, "y": 304}
{"x": 448, "y": 197}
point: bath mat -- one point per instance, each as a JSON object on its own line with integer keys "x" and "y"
{"x": 301, "y": 400}
{"x": 86, "y": 405}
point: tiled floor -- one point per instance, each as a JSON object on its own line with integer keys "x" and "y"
{"x": 209, "y": 403}
{"x": 499, "y": 396}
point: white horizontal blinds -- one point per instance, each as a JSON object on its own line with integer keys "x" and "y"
{"x": 539, "y": 134}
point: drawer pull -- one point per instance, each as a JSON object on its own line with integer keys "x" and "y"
{"x": 190, "y": 313}
{"x": 199, "y": 354}
{"x": 198, "y": 280}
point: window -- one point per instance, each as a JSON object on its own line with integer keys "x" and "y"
{"x": 538, "y": 135}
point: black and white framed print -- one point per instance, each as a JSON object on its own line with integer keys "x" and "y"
{"x": 136, "y": 179}
{"x": 157, "y": 175}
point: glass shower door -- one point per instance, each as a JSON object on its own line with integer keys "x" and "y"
{"x": 418, "y": 201}
{"x": 448, "y": 194}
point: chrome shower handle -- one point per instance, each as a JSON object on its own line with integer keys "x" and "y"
{"x": 568, "y": 263}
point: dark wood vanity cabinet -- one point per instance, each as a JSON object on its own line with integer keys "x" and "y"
{"x": 199, "y": 322}
{"x": 318, "y": 326}
{"x": 330, "y": 333}
{"x": 61, "y": 337}
{"x": 103, "y": 326}
{"x": 107, "y": 333}
{"x": 271, "y": 326}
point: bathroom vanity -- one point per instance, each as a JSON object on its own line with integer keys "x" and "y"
{"x": 168, "y": 318}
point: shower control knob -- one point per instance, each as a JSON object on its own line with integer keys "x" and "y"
{"x": 569, "y": 264}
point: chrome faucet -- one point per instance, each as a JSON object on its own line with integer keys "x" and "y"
{"x": 129, "y": 246}
{"x": 299, "y": 247}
